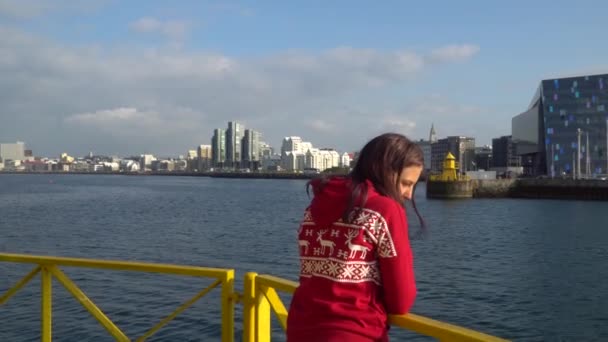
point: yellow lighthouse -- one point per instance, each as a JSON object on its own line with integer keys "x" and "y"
{"x": 449, "y": 172}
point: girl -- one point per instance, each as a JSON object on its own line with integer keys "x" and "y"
{"x": 355, "y": 255}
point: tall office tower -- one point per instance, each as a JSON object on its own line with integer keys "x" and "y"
{"x": 234, "y": 137}
{"x": 218, "y": 147}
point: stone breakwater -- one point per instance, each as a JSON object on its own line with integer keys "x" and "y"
{"x": 582, "y": 189}
{"x": 493, "y": 188}
{"x": 521, "y": 188}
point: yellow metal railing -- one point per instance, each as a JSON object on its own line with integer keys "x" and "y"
{"x": 49, "y": 267}
{"x": 259, "y": 298}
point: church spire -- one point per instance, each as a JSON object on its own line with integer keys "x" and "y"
{"x": 432, "y": 134}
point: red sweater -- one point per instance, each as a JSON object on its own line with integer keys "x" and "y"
{"x": 351, "y": 275}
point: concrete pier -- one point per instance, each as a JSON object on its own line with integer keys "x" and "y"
{"x": 452, "y": 189}
{"x": 582, "y": 189}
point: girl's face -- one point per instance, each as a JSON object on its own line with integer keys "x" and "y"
{"x": 407, "y": 179}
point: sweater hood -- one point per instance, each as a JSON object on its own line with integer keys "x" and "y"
{"x": 331, "y": 199}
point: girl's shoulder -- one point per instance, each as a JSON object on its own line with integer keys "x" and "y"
{"x": 385, "y": 206}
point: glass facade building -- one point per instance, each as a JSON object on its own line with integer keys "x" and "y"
{"x": 564, "y": 132}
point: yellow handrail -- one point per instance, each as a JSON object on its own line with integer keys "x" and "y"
{"x": 49, "y": 267}
{"x": 259, "y": 298}
{"x": 261, "y": 288}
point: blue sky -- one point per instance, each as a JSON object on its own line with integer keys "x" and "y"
{"x": 133, "y": 77}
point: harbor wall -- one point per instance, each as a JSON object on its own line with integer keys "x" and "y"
{"x": 544, "y": 188}
{"x": 493, "y": 188}
{"x": 581, "y": 189}
{"x": 453, "y": 189}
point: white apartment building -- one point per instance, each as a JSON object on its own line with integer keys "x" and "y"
{"x": 293, "y": 161}
{"x": 145, "y": 162}
{"x": 297, "y": 155}
{"x": 14, "y": 151}
{"x": 291, "y": 144}
{"x": 129, "y": 165}
{"x": 345, "y": 160}
{"x": 293, "y": 153}
{"x": 322, "y": 159}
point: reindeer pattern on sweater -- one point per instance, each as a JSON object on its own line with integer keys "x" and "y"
{"x": 345, "y": 252}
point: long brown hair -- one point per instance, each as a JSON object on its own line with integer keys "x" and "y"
{"x": 379, "y": 161}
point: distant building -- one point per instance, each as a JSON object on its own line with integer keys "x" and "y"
{"x": 145, "y": 162}
{"x": 14, "y": 165}
{"x": 218, "y": 148}
{"x": 271, "y": 162}
{"x": 293, "y": 161}
{"x": 564, "y": 131}
{"x": 204, "y": 157}
{"x": 463, "y": 148}
{"x": 14, "y": 151}
{"x": 180, "y": 165}
{"x": 291, "y": 144}
{"x": 345, "y": 160}
{"x": 432, "y": 134}
{"x": 427, "y": 151}
{"x": 483, "y": 158}
{"x": 268, "y": 159}
{"x": 505, "y": 153}
{"x": 234, "y": 137}
{"x": 293, "y": 153}
{"x": 66, "y": 159}
{"x": 425, "y": 146}
{"x": 321, "y": 159}
{"x": 37, "y": 166}
{"x": 191, "y": 160}
{"x": 127, "y": 165}
{"x": 162, "y": 165}
{"x": 266, "y": 150}
{"x": 251, "y": 149}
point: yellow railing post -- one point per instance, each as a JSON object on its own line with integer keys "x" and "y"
{"x": 46, "y": 305}
{"x": 249, "y": 307}
{"x": 277, "y": 306}
{"x": 262, "y": 316}
{"x": 228, "y": 303}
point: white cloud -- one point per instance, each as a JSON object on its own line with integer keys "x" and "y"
{"x": 23, "y": 9}
{"x": 106, "y": 116}
{"x": 454, "y": 53}
{"x": 174, "y": 29}
{"x": 27, "y": 9}
{"x": 449, "y": 117}
{"x": 232, "y": 8}
{"x": 320, "y": 125}
{"x": 173, "y": 99}
{"x": 397, "y": 124}
{"x": 438, "y": 105}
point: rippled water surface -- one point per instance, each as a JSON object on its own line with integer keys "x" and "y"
{"x": 526, "y": 270}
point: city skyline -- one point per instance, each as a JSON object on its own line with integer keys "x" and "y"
{"x": 211, "y": 143}
{"x": 80, "y": 78}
